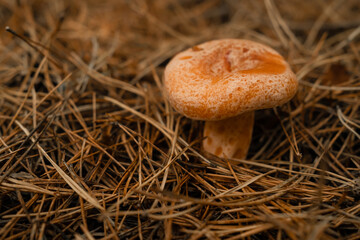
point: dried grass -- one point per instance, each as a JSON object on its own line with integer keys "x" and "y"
{"x": 90, "y": 148}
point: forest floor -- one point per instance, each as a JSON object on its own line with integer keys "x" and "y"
{"x": 90, "y": 147}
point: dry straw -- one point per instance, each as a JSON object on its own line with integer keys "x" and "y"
{"x": 91, "y": 149}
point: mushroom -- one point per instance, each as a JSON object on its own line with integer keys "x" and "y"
{"x": 223, "y": 82}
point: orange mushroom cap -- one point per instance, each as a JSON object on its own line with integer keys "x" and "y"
{"x": 224, "y": 78}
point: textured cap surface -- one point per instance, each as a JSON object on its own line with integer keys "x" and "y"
{"x": 224, "y": 78}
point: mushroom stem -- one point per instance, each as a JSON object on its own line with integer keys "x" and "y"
{"x": 229, "y": 138}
